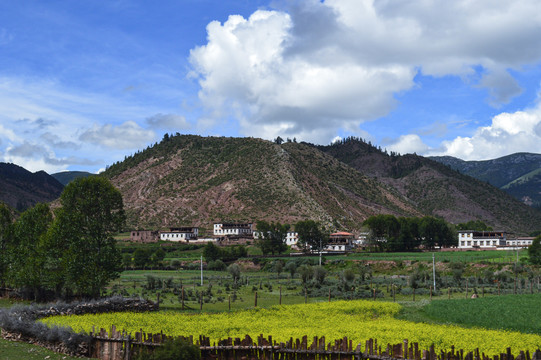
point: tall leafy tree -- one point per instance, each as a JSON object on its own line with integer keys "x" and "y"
{"x": 6, "y": 226}
{"x": 436, "y": 232}
{"x": 92, "y": 212}
{"x": 534, "y": 251}
{"x": 273, "y": 237}
{"x": 311, "y": 235}
{"x": 26, "y": 256}
{"x": 385, "y": 231}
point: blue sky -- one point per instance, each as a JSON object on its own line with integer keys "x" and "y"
{"x": 85, "y": 83}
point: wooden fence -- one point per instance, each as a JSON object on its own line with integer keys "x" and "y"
{"x": 117, "y": 345}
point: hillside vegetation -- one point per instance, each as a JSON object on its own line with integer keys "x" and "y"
{"x": 22, "y": 189}
{"x": 518, "y": 174}
{"x": 195, "y": 180}
{"x": 436, "y": 189}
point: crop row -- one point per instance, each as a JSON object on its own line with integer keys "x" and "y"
{"x": 358, "y": 320}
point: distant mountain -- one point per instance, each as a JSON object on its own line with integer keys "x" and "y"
{"x": 437, "y": 189}
{"x": 517, "y": 174}
{"x": 21, "y": 189}
{"x": 193, "y": 180}
{"x": 65, "y": 177}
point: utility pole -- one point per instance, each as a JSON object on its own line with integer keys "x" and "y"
{"x": 320, "y": 252}
{"x": 201, "y": 270}
{"x": 434, "y": 271}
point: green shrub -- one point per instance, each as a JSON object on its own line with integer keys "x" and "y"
{"x": 173, "y": 349}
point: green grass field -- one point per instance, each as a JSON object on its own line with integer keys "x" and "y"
{"x": 517, "y": 313}
{"x": 12, "y": 350}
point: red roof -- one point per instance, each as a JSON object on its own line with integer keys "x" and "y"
{"x": 342, "y": 233}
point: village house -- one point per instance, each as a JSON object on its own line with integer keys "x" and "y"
{"x": 520, "y": 242}
{"x": 469, "y": 239}
{"x": 182, "y": 234}
{"x": 144, "y": 236}
{"x": 340, "y": 241}
{"x": 233, "y": 229}
{"x": 292, "y": 238}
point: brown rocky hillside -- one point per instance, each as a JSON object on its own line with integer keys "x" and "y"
{"x": 436, "y": 189}
{"x": 193, "y": 180}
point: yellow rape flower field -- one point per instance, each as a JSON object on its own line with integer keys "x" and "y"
{"x": 358, "y": 320}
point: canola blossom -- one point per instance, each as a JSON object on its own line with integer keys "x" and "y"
{"x": 358, "y": 320}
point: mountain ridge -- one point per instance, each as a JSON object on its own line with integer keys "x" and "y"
{"x": 517, "y": 174}
{"x": 188, "y": 179}
{"x": 21, "y": 189}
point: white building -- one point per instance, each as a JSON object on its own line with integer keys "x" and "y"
{"x": 340, "y": 241}
{"x": 183, "y": 234}
{"x": 292, "y": 238}
{"x": 520, "y": 242}
{"x": 469, "y": 239}
{"x": 233, "y": 229}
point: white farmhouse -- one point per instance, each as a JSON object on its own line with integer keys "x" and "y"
{"x": 520, "y": 242}
{"x": 182, "y": 234}
{"x": 340, "y": 241}
{"x": 233, "y": 229}
{"x": 469, "y": 239}
{"x": 292, "y": 238}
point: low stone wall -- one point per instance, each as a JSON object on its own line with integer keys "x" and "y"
{"x": 19, "y": 322}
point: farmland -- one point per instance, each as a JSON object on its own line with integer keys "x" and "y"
{"x": 358, "y": 320}
{"x": 397, "y": 288}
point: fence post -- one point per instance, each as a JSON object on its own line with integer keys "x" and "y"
{"x": 201, "y": 301}
{"x": 127, "y": 349}
{"x": 158, "y": 300}
{"x": 229, "y": 302}
{"x": 255, "y": 301}
{"x": 448, "y": 292}
{"x": 182, "y": 297}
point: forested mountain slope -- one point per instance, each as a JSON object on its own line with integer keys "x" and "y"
{"x": 436, "y": 189}
{"x": 21, "y": 189}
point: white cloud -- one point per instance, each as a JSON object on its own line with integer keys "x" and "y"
{"x": 128, "y": 135}
{"x": 408, "y": 144}
{"x": 328, "y": 66}
{"x": 35, "y": 157}
{"x": 168, "y": 121}
{"x": 508, "y": 133}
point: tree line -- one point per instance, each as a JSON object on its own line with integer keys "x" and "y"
{"x": 66, "y": 252}
{"x": 389, "y": 233}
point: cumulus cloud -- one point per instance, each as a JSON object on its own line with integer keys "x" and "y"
{"x": 128, "y": 135}
{"x": 168, "y": 121}
{"x": 508, "y": 133}
{"x": 408, "y": 144}
{"x": 57, "y": 142}
{"x": 328, "y": 66}
{"x": 35, "y": 157}
{"x": 502, "y": 87}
